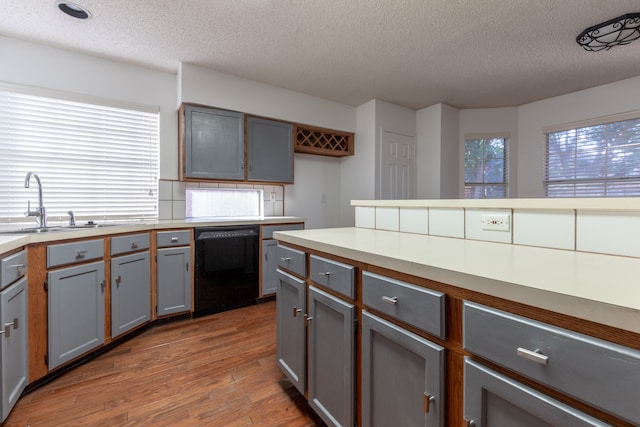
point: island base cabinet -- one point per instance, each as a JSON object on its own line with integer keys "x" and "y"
{"x": 76, "y": 311}
{"x": 13, "y": 344}
{"x": 402, "y": 376}
{"x": 331, "y": 371}
{"x": 290, "y": 335}
{"x": 130, "y": 292}
{"x": 174, "y": 280}
{"x": 494, "y": 400}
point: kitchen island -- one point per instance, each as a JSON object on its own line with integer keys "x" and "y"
{"x": 548, "y": 330}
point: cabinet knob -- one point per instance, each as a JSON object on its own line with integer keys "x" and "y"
{"x": 534, "y": 356}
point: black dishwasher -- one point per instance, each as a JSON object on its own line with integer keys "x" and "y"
{"x": 226, "y": 272}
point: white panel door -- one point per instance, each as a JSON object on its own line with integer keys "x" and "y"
{"x": 397, "y": 166}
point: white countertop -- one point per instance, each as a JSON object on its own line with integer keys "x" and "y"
{"x": 9, "y": 242}
{"x": 600, "y": 288}
{"x": 548, "y": 203}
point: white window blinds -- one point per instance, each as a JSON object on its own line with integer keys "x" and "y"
{"x": 99, "y": 161}
{"x": 597, "y": 160}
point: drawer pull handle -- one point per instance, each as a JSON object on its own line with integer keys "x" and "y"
{"x": 7, "y": 328}
{"x": 325, "y": 274}
{"x": 307, "y": 319}
{"x": 80, "y": 254}
{"x": 134, "y": 245}
{"x": 285, "y": 259}
{"x": 17, "y": 266}
{"x": 175, "y": 239}
{"x": 390, "y": 300}
{"x": 427, "y": 400}
{"x": 118, "y": 280}
{"x": 534, "y": 356}
{"x": 296, "y": 310}
{"x": 468, "y": 422}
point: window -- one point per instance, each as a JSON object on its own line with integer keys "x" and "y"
{"x": 99, "y": 161}
{"x": 594, "y": 160}
{"x": 486, "y": 168}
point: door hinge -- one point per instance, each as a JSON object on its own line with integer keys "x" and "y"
{"x": 187, "y": 265}
{"x": 46, "y": 286}
{"x": 46, "y": 359}
{"x": 355, "y": 325}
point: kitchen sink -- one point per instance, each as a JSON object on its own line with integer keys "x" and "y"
{"x": 55, "y": 228}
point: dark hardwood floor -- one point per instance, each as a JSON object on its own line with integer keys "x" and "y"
{"x": 218, "y": 370}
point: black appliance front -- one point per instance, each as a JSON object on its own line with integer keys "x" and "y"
{"x": 227, "y": 268}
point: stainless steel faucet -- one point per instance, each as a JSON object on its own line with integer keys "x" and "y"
{"x": 41, "y": 213}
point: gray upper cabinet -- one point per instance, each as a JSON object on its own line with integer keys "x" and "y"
{"x": 213, "y": 146}
{"x": 491, "y": 399}
{"x": 76, "y": 311}
{"x": 269, "y": 150}
{"x": 402, "y": 376}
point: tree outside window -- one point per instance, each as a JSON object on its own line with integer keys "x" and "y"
{"x": 486, "y": 168}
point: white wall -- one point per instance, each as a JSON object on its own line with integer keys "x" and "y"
{"x": 605, "y": 100}
{"x": 316, "y": 194}
{"x": 487, "y": 121}
{"x": 37, "y": 65}
{"x": 358, "y": 171}
{"x": 450, "y": 185}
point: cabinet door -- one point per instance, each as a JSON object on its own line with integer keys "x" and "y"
{"x": 402, "y": 376}
{"x": 269, "y": 267}
{"x": 76, "y": 311}
{"x": 491, "y": 399}
{"x": 269, "y": 150}
{"x": 174, "y": 281}
{"x": 13, "y": 344}
{"x": 331, "y": 373}
{"x": 214, "y": 143}
{"x": 290, "y": 329}
{"x": 130, "y": 292}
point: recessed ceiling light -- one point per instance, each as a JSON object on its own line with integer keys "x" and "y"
{"x": 73, "y": 10}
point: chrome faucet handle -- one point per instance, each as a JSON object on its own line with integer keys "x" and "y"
{"x": 72, "y": 218}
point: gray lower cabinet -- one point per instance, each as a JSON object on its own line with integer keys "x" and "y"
{"x": 492, "y": 399}
{"x": 331, "y": 358}
{"x": 13, "y": 344}
{"x": 290, "y": 328}
{"x": 402, "y": 376}
{"x": 269, "y": 150}
{"x": 173, "y": 280}
{"x": 213, "y": 143}
{"x": 269, "y": 267}
{"x": 76, "y": 311}
{"x": 130, "y": 292}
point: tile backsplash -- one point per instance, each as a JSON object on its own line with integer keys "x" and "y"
{"x": 172, "y": 197}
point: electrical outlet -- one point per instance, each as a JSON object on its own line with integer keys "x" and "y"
{"x": 495, "y": 222}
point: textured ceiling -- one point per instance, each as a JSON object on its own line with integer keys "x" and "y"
{"x": 415, "y": 53}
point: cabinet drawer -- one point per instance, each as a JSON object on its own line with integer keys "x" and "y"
{"x": 130, "y": 243}
{"x": 12, "y": 267}
{"x": 597, "y": 372}
{"x": 292, "y": 260}
{"x": 174, "y": 238}
{"x": 416, "y": 306}
{"x": 333, "y": 275}
{"x": 268, "y": 230}
{"x": 69, "y": 253}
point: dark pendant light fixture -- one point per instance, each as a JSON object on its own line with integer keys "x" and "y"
{"x": 618, "y": 31}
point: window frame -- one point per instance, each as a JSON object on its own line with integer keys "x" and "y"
{"x": 505, "y": 136}
{"x": 590, "y": 186}
{"x": 138, "y": 138}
